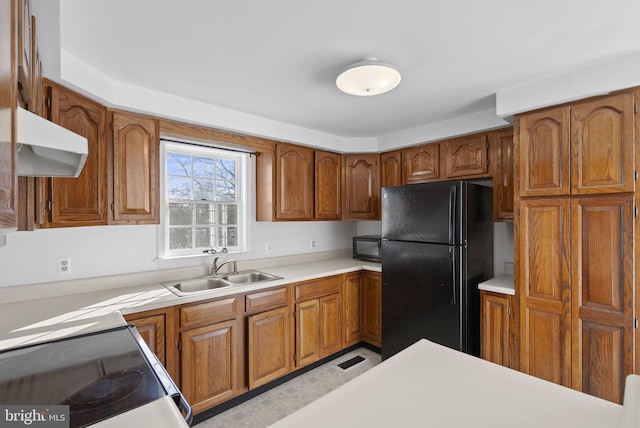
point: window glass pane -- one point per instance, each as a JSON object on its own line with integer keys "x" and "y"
{"x": 179, "y": 188}
{"x": 180, "y": 214}
{"x": 180, "y": 238}
{"x": 203, "y": 167}
{"x": 225, "y": 190}
{"x": 203, "y": 237}
{"x": 227, "y": 214}
{"x": 203, "y": 189}
{"x": 178, "y": 164}
{"x": 232, "y": 236}
{"x": 226, "y": 169}
{"x": 205, "y": 214}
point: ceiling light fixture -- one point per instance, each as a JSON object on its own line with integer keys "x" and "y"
{"x": 368, "y": 77}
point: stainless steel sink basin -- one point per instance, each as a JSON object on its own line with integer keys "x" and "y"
{"x": 249, "y": 277}
{"x": 202, "y": 285}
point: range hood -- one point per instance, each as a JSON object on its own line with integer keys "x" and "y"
{"x": 46, "y": 149}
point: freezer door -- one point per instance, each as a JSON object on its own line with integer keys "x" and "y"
{"x": 428, "y": 212}
{"x": 421, "y": 295}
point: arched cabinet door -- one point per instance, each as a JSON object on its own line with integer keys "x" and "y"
{"x": 362, "y": 186}
{"x": 602, "y": 146}
{"x": 80, "y": 201}
{"x": 294, "y": 193}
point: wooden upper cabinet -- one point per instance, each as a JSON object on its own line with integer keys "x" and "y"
{"x": 295, "y": 182}
{"x": 328, "y": 185}
{"x": 362, "y": 186}
{"x": 503, "y": 178}
{"x": 25, "y": 56}
{"x": 544, "y": 289}
{"x": 544, "y": 156}
{"x": 421, "y": 164}
{"x": 8, "y": 102}
{"x": 467, "y": 156}
{"x": 602, "y": 294}
{"x": 391, "y": 168}
{"x": 80, "y": 201}
{"x": 602, "y": 145}
{"x": 136, "y": 180}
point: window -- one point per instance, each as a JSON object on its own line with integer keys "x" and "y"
{"x": 204, "y": 203}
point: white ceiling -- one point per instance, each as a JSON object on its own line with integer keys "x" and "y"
{"x": 279, "y": 59}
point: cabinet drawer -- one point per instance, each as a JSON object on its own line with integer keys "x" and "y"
{"x": 266, "y": 300}
{"x": 318, "y": 287}
{"x": 207, "y": 313}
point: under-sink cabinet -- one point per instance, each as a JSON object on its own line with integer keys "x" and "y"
{"x": 220, "y": 348}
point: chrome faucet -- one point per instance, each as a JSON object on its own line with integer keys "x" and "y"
{"x": 215, "y": 267}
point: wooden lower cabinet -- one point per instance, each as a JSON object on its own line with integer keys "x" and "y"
{"x": 352, "y": 307}
{"x": 495, "y": 310}
{"x": 268, "y": 346}
{"x": 372, "y": 308}
{"x": 209, "y": 364}
{"x": 602, "y": 294}
{"x": 318, "y": 329}
{"x": 544, "y": 288}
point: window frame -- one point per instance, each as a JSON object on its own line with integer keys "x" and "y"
{"x": 242, "y": 183}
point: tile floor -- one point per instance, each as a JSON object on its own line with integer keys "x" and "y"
{"x": 275, "y": 404}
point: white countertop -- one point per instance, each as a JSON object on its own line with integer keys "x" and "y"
{"x": 500, "y": 284}
{"x": 37, "y": 320}
{"x": 429, "y": 385}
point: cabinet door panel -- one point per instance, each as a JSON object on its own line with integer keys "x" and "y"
{"x": 602, "y": 294}
{"x": 328, "y": 185}
{"x": 421, "y": 164}
{"x": 209, "y": 364}
{"x": 466, "y": 156}
{"x": 391, "y": 169}
{"x": 268, "y": 344}
{"x": 330, "y": 325}
{"x": 494, "y": 330}
{"x": 136, "y": 183}
{"x": 544, "y": 288}
{"x": 307, "y": 332}
{"x": 294, "y": 195}
{"x": 362, "y": 184}
{"x": 503, "y": 181}
{"x": 602, "y": 146}
{"x": 8, "y": 102}
{"x": 544, "y": 153}
{"x": 352, "y": 309}
{"x": 152, "y": 330}
{"x": 372, "y": 308}
{"x": 80, "y": 201}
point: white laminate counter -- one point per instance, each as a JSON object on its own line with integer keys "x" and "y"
{"x": 37, "y": 320}
{"x": 502, "y": 284}
{"x": 429, "y": 385}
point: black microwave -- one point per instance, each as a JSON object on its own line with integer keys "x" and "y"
{"x": 367, "y": 247}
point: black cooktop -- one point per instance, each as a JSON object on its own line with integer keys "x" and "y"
{"x": 98, "y": 375}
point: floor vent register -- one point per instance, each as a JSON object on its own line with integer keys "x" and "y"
{"x": 350, "y": 363}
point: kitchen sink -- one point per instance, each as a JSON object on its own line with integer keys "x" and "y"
{"x": 188, "y": 287}
{"x": 249, "y": 277}
{"x": 200, "y": 285}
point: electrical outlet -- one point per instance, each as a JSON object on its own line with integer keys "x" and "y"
{"x": 267, "y": 249}
{"x": 64, "y": 265}
{"x": 313, "y": 243}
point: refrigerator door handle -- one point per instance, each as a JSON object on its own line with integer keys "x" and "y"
{"x": 452, "y": 214}
{"x": 452, "y": 267}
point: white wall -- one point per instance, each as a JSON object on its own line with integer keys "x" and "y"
{"x": 31, "y": 257}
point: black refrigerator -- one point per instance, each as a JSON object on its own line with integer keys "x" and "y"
{"x": 437, "y": 245}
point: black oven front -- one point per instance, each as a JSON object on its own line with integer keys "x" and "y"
{"x": 98, "y": 375}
